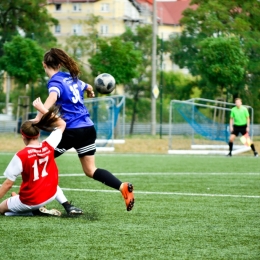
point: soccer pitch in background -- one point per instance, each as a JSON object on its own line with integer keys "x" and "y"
{"x": 187, "y": 207}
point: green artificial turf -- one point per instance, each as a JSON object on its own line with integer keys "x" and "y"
{"x": 187, "y": 207}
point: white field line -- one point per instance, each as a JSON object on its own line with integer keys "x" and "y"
{"x": 169, "y": 193}
{"x": 165, "y": 173}
{"x": 152, "y": 155}
{"x": 160, "y": 174}
{"x": 158, "y": 192}
{"x": 164, "y": 193}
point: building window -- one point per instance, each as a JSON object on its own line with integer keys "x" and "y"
{"x": 104, "y": 29}
{"x": 174, "y": 35}
{"x": 57, "y": 7}
{"x": 76, "y": 7}
{"x": 104, "y": 8}
{"x": 76, "y": 29}
{"x": 57, "y": 28}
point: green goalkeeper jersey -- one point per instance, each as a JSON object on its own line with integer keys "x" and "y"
{"x": 239, "y": 115}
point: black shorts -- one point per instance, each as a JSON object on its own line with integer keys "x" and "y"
{"x": 239, "y": 129}
{"x": 82, "y": 139}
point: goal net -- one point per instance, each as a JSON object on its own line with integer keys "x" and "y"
{"x": 201, "y": 126}
{"x": 108, "y": 115}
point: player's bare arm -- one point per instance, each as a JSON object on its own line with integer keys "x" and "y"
{"x": 50, "y": 101}
{"x": 90, "y": 91}
{"x": 231, "y": 125}
{"x": 6, "y": 186}
{"x": 248, "y": 124}
{"x": 37, "y": 103}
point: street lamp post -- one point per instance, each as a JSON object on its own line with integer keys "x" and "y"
{"x": 161, "y": 88}
{"x": 153, "y": 98}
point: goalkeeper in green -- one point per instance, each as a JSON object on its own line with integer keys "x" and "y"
{"x": 239, "y": 123}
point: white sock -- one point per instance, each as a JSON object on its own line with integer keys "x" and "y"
{"x": 60, "y": 197}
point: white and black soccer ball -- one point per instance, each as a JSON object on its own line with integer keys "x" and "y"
{"x": 105, "y": 83}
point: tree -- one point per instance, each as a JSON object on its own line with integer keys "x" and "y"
{"x": 117, "y": 58}
{"x": 27, "y": 16}
{"x": 82, "y": 47}
{"x": 2, "y": 94}
{"x": 221, "y": 61}
{"x": 22, "y": 59}
{"x": 177, "y": 85}
{"x": 217, "y": 18}
{"x": 140, "y": 86}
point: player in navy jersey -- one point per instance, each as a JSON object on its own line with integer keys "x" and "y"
{"x": 67, "y": 91}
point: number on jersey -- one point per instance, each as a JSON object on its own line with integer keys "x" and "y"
{"x": 36, "y": 170}
{"x": 75, "y": 91}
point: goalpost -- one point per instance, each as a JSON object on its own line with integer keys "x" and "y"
{"x": 22, "y": 111}
{"x": 201, "y": 126}
{"x": 108, "y": 115}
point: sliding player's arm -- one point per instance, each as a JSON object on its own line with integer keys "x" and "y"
{"x": 55, "y": 137}
{"x": 5, "y": 187}
{"x": 50, "y": 101}
{"x": 12, "y": 171}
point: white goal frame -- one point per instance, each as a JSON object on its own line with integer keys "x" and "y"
{"x": 107, "y": 145}
{"x": 202, "y": 148}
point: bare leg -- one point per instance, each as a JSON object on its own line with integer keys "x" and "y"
{"x": 88, "y": 165}
{"x": 232, "y": 138}
{"x": 3, "y": 207}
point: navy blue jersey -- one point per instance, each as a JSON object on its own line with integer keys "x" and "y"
{"x": 70, "y": 99}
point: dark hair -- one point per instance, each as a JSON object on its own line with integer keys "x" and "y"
{"x": 55, "y": 57}
{"x": 47, "y": 123}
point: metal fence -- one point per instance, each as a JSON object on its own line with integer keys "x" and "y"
{"x": 144, "y": 128}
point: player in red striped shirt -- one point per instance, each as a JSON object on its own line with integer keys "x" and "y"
{"x": 36, "y": 164}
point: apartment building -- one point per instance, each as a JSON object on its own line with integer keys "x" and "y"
{"x": 169, "y": 14}
{"x": 115, "y": 16}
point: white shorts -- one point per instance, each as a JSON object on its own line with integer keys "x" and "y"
{"x": 15, "y": 205}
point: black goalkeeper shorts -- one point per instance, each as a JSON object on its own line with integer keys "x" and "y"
{"x": 239, "y": 129}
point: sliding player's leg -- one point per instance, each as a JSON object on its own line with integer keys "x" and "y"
{"x": 65, "y": 144}
{"x": 70, "y": 209}
{"x": 14, "y": 207}
{"x": 3, "y": 207}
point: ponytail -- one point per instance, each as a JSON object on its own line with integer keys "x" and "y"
{"x": 56, "y": 57}
{"x": 30, "y": 130}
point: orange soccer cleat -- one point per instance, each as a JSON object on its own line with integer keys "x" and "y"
{"x": 127, "y": 193}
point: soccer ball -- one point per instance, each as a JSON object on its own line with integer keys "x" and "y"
{"x": 105, "y": 83}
